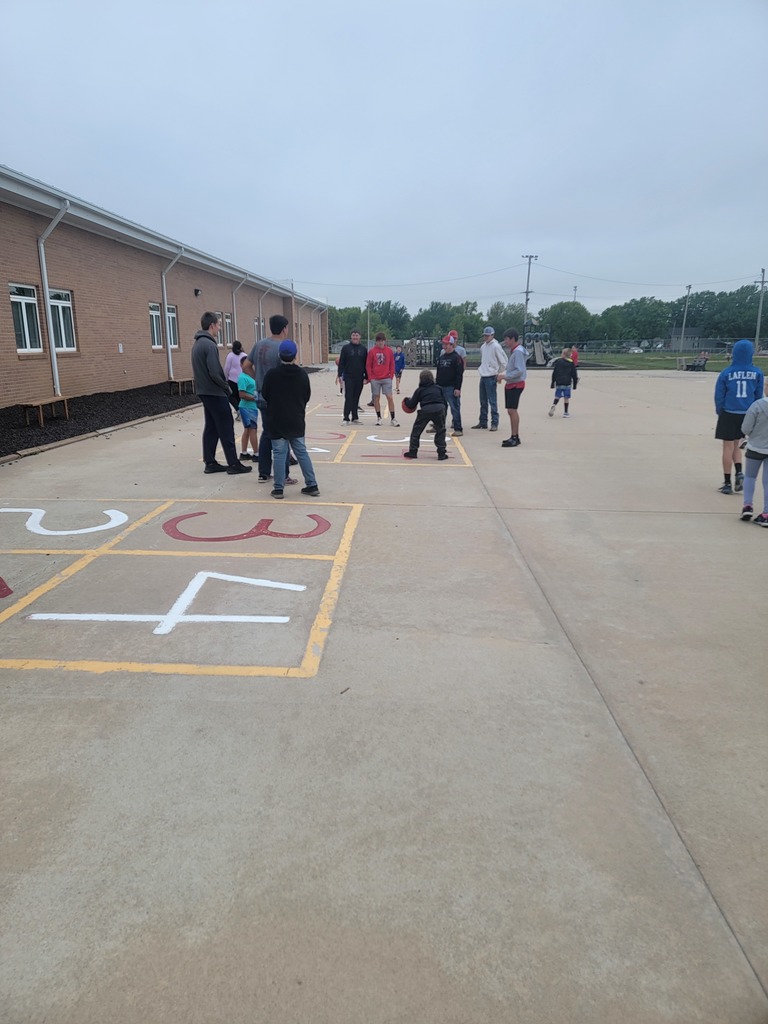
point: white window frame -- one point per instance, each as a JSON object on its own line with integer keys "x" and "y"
{"x": 156, "y": 325}
{"x": 228, "y": 330}
{"x": 220, "y": 339}
{"x": 172, "y": 326}
{"x": 61, "y": 301}
{"x": 24, "y": 302}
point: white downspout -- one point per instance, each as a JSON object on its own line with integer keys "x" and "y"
{"x": 173, "y": 263}
{"x": 46, "y": 296}
{"x": 262, "y": 325}
{"x": 235, "y": 307}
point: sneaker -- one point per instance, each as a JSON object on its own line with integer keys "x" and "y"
{"x": 738, "y": 483}
{"x": 746, "y": 513}
{"x": 378, "y": 422}
{"x": 370, "y": 405}
{"x": 481, "y": 426}
{"x": 430, "y": 430}
{"x": 290, "y": 480}
{"x": 442, "y": 456}
{"x": 457, "y": 433}
{"x": 492, "y": 428}
{"x": 410, "y": 455}
{"x": 511, "y": 442}
{"x": 276, "y": 493}
{"x": 552, "y": 410}
{"x": 314, "y": 490}
{"x": 395, "y": 423}
{"x": 345, "y": 423}
{"x": 292, "y": 461}
{"x": 215, "y": 467}
{"x": 355, "y": 420}
{"x": 263, "y": 479}
{"x": 725, "y": 489}
{"x": 245, "y": 457}
{"x": 566, "y": 415}
{"x": 762, "y": 519}
{"x": 238, "y": 468}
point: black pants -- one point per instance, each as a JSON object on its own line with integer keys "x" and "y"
{"x": 423, "y": 417}
{"x": 352, "y": 391}
{"x": 218, "y": 427}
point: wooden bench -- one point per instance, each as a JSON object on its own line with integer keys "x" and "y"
{"x": 699, "y": 363}
{"x": 180, "y": 386}
{"x": 39, "y": 406}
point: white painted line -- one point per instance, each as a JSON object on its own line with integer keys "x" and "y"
{"x": 35, "y": 518}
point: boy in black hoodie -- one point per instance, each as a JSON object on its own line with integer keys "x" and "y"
{"x": 433, "y": 408}
{"x": 286, "y": 391}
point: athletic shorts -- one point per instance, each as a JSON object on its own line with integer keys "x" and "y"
{"x": 729, "y": 426}
{"x": 563, "y": 392}
{"x": 512, "y": 397}
{"x": 249, "y": 417}
{"x": 381, "y": 387}
{"x": 758, "y": 456}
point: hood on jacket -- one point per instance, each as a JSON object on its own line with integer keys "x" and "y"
{"x": 742, "y": 353}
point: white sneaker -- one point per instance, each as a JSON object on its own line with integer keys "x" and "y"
{"x": 395, "y": 423}
{"x": 566, "y": 415}
{"x": 552, "y": 411}
{"x": 378, "y": 422}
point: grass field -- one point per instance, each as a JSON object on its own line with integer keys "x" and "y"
{"x": 652, "y": 361}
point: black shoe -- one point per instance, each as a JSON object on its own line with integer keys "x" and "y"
{"x": 293, "y": 462}
{"x": 314, "y": 491}
{"x": 725, "y": 489}
{"x": 370, "y": 405}
{"x": 263, "y": 479}
{"x": 746, "y": 513}
{"x": 245, "y": 457}
{"x": 410, "y": 455}
{"x": 441, "y": 456}
{"x": 238, "y": 468}
{"x": 275, "y": 493}
{"x": 480, "y": 426}
{"x": 215, "y": 467}
{"x": 511, "y": 442}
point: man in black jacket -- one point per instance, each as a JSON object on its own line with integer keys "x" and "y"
{"x": 449, "y": 377}
{"x": 352, "y": 360}
{"x": 286, "y": 391}
{"x": 213, "y": 391}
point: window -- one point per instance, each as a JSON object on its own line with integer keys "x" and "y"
{"x": 228, "y": 330}
{"x": 173, "y": 327}
{"x": 220, "y": 339}
{"x": 26, "y": 324}
{"x": 63, "y": 321}
{"x": 155, "y": 330}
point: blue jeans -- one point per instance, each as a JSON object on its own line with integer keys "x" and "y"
{"x": 488, "y": 397}
{"x": 454, "y": 404}
{"x": 280, "y": 458}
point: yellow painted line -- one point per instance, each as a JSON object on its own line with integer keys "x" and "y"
{"x": 226, "y": 501}
{"x": 314, "y": 408}
{"x": 344, "y": 448}
{"x": 154, "y": 668}
{"x": 420, "y": 464}
{"x": 86, "y": 560}
{"x": 318, "y": 634}
{"x": 462, "y": 451}
{"x": 179, "y": 554}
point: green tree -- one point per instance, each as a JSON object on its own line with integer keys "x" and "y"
{"x": 503, "y": 315}
{"x": 428, "y": 322}
{"x": 394, "y": 316}
{"x": 569, "y": 322}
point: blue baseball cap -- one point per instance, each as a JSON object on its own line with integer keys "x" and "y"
{"x": 287, "y": 350}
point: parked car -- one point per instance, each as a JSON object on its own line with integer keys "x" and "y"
{"x": 636, "y": 351}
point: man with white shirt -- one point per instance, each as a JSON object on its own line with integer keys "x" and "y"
{"x": 493, "y": 361}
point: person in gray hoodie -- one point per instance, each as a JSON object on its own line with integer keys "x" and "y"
{"x": 755, "y": 429}
{"x": 213, "y": 391}
{"x": 514, "y": 382}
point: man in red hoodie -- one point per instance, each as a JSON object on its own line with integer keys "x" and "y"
{"x": 380, "y": 369}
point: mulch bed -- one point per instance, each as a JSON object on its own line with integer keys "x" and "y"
{"x": 86, "y": 414}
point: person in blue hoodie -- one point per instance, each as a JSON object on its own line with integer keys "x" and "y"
{"x": 737, "y": 387}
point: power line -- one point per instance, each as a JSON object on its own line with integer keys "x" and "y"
{"x": 411, "y": 284}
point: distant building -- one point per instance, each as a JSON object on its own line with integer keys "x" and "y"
{"x": 691, "y": 340}
{"x": 121, "y": 302}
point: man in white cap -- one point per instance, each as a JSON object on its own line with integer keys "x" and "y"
{"x": 493, "y": 361}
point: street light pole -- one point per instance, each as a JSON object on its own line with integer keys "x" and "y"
{"x": 527, "y": 288}
{"x": 685, "y": 317}
{"x": 760, "y": 310}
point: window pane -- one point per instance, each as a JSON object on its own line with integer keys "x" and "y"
{"x": 18, "y": 325}
{"x": 69, "y": 327}
{"x": 33, "y": 329}
{"x": 56, "y": 326}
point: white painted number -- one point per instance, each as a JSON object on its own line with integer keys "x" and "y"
{"x": 741, "y": 389}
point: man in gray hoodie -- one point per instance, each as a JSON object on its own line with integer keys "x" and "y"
{"x": 514, "y": 382}
{"x": 213, "y": 391}
{"x": 755, "y": 428}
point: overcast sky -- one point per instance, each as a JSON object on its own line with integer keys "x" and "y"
{"x": 412, "y": 149}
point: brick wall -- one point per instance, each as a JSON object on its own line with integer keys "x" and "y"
{"x": 112, "y": 285}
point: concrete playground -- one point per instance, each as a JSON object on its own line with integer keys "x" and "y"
{"x": 474, "y": 742}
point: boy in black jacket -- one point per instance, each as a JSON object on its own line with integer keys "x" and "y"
{"x": 433, "y": 407}
{"x": 563, "y": 375}
{"x": 286, "y": 392}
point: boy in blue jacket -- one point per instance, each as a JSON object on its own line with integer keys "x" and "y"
{"x": 737, "y": 387}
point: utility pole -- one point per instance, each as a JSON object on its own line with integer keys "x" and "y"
{"x": 685, "y": 317}
{"x": 574, "y": 292}
{"x": 760, "y": 309}
{"x": 527, "y": 288}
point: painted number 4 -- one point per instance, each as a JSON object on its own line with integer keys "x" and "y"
{"x": 177, "y": 615}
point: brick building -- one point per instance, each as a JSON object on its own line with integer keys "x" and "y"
{"x": 123, "y": 302}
